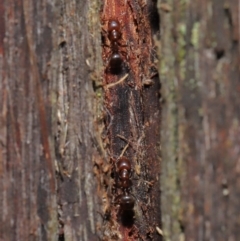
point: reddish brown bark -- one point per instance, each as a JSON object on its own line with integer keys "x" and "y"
{"x": 133, "y": 119}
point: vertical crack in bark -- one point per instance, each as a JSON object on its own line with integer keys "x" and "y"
{"x": 132, "y": 99}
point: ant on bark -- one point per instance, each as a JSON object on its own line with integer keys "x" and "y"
{"x": 124, "y": 171}
{"x": 114, "y": 34}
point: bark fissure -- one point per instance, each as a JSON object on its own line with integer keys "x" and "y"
{"x": 132, "y": 102}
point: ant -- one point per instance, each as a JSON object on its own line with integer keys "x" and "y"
{"x": 126, "y": 201}
{"x": 114, "y": 35}
{"x": 124, "y": 171}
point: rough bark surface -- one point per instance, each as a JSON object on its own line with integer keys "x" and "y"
{"x": 56, "y": 144}
{"x": 27, "y": 186}
{"x": 132, "y": 119}
{"x": 48, "y": 140}
{"x": 201, "y": 119}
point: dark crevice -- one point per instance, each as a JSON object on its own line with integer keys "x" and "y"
{"x": 229, "y": 16}
{"x": 62, "y": 44}
{"x": 182, "y": 227}
{"x": 154, "y": 17}
{"x": 61, "y": 237}
{"x": 219, "y": 53}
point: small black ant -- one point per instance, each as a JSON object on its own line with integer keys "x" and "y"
{"x": 114, "y": 35}
{"x": 124, "y": 170}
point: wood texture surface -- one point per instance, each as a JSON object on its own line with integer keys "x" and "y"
{"x": 200, "y": 123}
{"x": 132, "y": 109}
{"x": 64, "y": 118}
{"x": 48, "y": 110}
{"x": 55, "y": 155}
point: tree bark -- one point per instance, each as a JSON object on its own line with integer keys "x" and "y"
{"x": 132, "y": 109}
{"x": 65, "y": 119}
{"x": 200, "y": 121}
{"x": 48, "y": 115}
{"x": 56, "y": 151}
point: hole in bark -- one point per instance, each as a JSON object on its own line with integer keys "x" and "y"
{"x": 182, "y": 228}
{"x": 112, "y": 175}
{"x": 229, "y": 16}
{"x": 61, "y": 237}
{"x": 62, "y": 44}
{"x": 219, "y": 53}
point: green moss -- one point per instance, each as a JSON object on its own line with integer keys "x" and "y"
{"x": 181, "y": 49}
{"x": 195, "y": 35}
{"x": 192, "y": 84}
